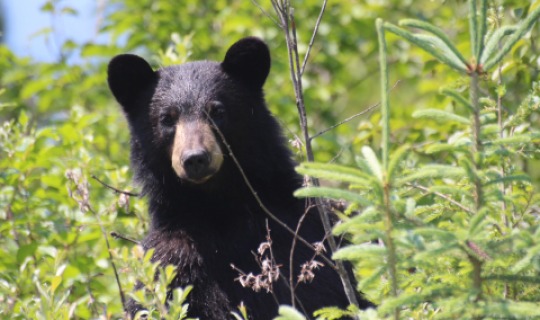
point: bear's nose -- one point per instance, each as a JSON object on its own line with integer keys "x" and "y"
{"x": 196, "y": 163}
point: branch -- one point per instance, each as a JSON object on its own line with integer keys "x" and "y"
{"x": 312, "y": 40}
{"x": 447, "y": 198}
{"x": 368, "y": 109}
{"x": 127, "y": 193}
{"x": 291, "y": 255}
{"x": 268, "y": 15}
{"x": 119, "y": 236}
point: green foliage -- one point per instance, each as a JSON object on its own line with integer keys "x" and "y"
{"x": 152, "y": 294}
{"x": 443, "y": 203}
{"x": 288, "y": 313}
{"x": 451, "y": 228}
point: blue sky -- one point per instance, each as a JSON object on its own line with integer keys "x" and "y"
{"x": 23, "y": 20}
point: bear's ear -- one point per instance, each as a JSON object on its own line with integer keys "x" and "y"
{"x": 249, "y": 61}
{"x": 128, "y": 75}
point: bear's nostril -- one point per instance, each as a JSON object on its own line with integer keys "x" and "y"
{"x": 196, "y": 163}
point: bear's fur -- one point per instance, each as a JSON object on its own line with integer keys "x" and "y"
{"x": 187, "y": 122}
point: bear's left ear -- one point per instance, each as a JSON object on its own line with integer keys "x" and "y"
{"x": 249, "y": 61}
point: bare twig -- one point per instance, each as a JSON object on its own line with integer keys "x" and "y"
{"x": 361, "y": 113}
{"x": 119, "y": 236}
{"x": 291, "y": 255}
{"x": 445, "y": 197}
{"x": 312, "y": 40}
{"x": 115, "y": 189}
{"x": 266, "y": 13}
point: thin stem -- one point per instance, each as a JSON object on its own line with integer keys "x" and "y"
{"x": 116, "y": 235}
{"x": 476, "y": 275}
{"x": 368, "y": 109}
{"x": 390, "y": 246}
{"x": 385, "y": 115}
{"x": 312, "y": 40}
{"x": 473, "y": 96}
{"x": 445, "y": 197}
{"x": 477, "y": 143}
{"x": 127, "y": 193}
{"x": 385, "y": 105}
{"x": 299, "y": 89}
{"x": 477, "y": 151}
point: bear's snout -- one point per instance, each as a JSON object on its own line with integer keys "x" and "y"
{"x": 196, "y": 155}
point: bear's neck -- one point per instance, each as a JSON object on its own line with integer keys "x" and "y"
{"x": 227, "y": 200}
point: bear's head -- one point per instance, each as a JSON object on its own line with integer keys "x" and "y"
{"x": 185, "y": 119}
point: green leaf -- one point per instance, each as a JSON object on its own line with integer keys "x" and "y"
{"x": 55, "y": 283}
{"x": 432, "y": 45}
{"x": 25, "y": 251}
{"x": 441, "y": 116}
{"x": 478, "y": 221}
{"x": 443, "y": 147}
{"x": 435, "y": 253}
{"x": 526, "y": 261}
{"x": 515, "y": 139}
{"x": 438, "y": 234}
{"x": 470, "y": 169}
{"x": 289, "y": 313}
{"x": 433, "y": 171}
{"x": 335, "y": 172}
{"x": 396, "y": 158}
{"x": 458, "y": 97}
{"x": 426, "y": 26}
{"x": 361, "y": 221}
{"x": 516, "y": 177}
{"x": 373, "y": 162}
{"x": 519, "y": 33}
{"x": 511, "y": 309}
{"x": 332, "y": 313}
{"x": 513, "y": 278}
{"x": 47, "y": 6}
{"x": 331, "y": 193}
{"x": 361, "y": 251}
{"x": 23, "y": 119}
{"x": 492, "y": 45}
{"x": 373, "y": 277}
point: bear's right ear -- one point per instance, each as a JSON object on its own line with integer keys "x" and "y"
{"x": 128, "y": 75}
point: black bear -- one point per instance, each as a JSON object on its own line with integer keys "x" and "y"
{"x": 200, "y": 132}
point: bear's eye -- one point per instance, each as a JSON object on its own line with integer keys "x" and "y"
{"x": 168, "y": 119}
{"x": 217, "y": 111}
